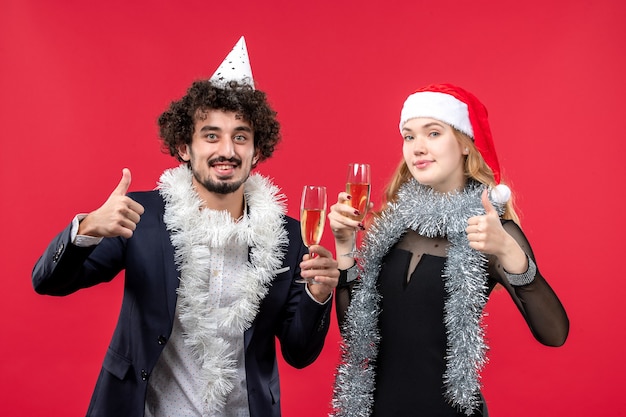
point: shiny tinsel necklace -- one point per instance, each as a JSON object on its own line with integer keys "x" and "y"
{"x": 430, "y": 214}
{"x": 195, "y": 234}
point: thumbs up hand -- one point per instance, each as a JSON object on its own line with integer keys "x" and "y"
{"x": 118, "y": 216}
{"x": 485, "y": 233}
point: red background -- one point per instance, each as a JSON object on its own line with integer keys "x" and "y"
{"x": 82, "y": 83}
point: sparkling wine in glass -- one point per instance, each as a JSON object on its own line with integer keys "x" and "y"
{"x": 358, "y": 186}
{"x": 312, "y": 217}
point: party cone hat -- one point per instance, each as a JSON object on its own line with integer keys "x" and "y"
{"x": 235, "y": 67}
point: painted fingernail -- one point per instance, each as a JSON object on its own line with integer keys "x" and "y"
{"x": 349, "y": 197}
{"x": 356, "y": 212}
{"x": 361, "y": 226}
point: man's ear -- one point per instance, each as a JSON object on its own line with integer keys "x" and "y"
{"x": 256, "y": 158}
{"x": 183, "y": 152}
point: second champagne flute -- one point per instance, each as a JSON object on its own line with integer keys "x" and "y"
{"x": 312, "y": 217}
{"x": 358, "y": 186}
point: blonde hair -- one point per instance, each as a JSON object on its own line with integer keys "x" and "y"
{"x": 475, "y": 168}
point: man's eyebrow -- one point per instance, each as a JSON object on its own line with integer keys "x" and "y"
{"x": 207, "y": 128}
{"x": 243, "y": 128}
{"x": 211, "y": 128}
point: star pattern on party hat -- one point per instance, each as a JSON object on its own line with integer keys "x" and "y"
{"x": 235, "y": 67}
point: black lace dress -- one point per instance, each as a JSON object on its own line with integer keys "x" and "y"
{"x": 411, "y": 356}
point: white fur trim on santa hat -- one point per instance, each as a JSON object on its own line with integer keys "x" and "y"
{"x": 440, "y": 106}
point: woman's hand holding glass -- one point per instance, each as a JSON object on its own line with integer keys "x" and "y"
{"x": 346, "y": 217}
{"x": 344, "y": 225}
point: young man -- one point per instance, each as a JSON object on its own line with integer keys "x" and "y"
{"x": 209, "y": 269}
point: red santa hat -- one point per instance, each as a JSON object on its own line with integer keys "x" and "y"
{"x": 458, "y": 108}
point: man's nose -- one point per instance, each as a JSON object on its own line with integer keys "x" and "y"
{"x": 226, "y": 148}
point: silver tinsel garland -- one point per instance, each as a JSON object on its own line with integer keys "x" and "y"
{"x": 430, "y": 214}
{"x": 208, "y": 330}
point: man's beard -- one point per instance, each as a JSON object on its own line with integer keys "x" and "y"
{"x": 220, "y": 187}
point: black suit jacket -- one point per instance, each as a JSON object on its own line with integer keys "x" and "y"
{"x": 147, "y": 313}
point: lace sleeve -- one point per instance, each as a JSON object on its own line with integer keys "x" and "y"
{"x": 343, "y": 296}
{"x": 536, "y": 300}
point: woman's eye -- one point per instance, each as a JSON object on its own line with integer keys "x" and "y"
{"x": 408, "y": 138}
{"x": 433, "y": 134}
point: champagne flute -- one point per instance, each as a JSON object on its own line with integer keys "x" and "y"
{"x": 358, "y": 186}
{"x": 312, "y": 218}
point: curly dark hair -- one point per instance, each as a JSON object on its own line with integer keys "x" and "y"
{"x": 176, "y": 125}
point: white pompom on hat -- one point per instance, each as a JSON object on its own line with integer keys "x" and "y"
{"x": 235, "y": 67}
{"x": 464, "y": 112}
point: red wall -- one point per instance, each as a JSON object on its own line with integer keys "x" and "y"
{"x": 81, "y": 85}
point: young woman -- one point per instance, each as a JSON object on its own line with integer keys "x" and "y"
{"x": 410, "y": 310}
